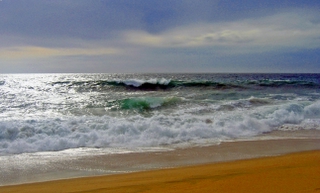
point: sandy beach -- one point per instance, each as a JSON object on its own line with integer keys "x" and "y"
{"x": 297, "y": 172}
{"x": 282, "y": 165}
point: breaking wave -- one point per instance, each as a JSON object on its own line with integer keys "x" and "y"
{"x": 18, "y": 136}
{"x": 162, "y": 84}
{"x": 146, "y": 103}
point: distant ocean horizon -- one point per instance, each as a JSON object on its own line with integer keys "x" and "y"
{"x": 141, "y": 112}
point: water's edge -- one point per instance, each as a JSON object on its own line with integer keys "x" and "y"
{"x": 26, "y": 168}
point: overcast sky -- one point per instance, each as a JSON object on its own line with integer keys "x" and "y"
{"x": 159, "y": 36}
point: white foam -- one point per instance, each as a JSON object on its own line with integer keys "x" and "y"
{"x": 138, "y": 82}
{"x": 18, "y": 136}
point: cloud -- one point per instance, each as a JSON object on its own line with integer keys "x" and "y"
{"x": 59, "y": 18}
{"x": 42, "y": 52}
{"x": 155, "y": 36}
{"x": 295, "y": 29}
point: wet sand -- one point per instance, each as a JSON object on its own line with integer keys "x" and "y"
{"x": 297, "y": 172}
{"x": 48, "y": 166}
{"x": 60, "y": 171}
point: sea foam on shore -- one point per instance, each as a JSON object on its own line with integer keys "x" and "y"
{"x": 33, "y": 167}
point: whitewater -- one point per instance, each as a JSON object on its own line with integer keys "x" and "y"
{"x": 114, "y": 113}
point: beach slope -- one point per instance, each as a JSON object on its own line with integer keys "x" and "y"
{"x": 297, "y": 172}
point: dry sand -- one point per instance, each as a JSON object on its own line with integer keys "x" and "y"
{"x": 297, "y": 172}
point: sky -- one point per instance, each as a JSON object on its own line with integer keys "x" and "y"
{"x": 179, "y": 36}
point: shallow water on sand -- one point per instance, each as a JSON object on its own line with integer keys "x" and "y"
{"x": 45, "y": 166}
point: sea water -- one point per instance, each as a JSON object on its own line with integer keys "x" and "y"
{"x": 141, "y": 112}
{"x": 70, "y": 125}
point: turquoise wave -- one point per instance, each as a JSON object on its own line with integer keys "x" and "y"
{"x": 147, "y": 103}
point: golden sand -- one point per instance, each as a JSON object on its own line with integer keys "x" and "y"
{"x": 298, "y": 172}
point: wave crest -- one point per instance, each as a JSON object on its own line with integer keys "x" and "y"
{"x": 147, "y": 103}
{"x": 154, "y": 84}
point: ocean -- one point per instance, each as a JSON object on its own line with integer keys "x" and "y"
{"x": 53, "y": 112}
{"x": 49, "y": 116}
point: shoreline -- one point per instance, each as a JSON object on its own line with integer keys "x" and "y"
{"x": 23, "y": 169}
{"x": 293, "y": 172}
